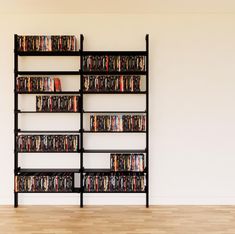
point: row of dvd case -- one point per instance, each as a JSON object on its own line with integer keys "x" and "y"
{"x": 32, "y": 84}
{"x": 127, "y": 162}
{"x": 99, "y": 182}
{"x": 113, "y": 63}
{"x": 46, "y": 43}
{"x": 47, "y": 143}
{"x": 42, "y": 183}
{"x": 117, "y": 123}
{"x": 120, "y": 83}
{"x": 57, "y": 103}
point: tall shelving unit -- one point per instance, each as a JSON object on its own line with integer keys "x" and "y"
{"x": 82, "y": 132}
{"x": 17, "y": 131}
{"x": 146, "y": 112}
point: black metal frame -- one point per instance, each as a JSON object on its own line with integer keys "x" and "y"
{"x": 81, "y": 151}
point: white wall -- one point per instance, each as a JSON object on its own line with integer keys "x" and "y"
{"x": 192, "y": 120}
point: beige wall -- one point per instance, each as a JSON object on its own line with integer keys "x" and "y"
{"x": 192, "y": 123}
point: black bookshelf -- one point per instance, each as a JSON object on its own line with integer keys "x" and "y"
{"x": 145, "y": 73}
{"x": 17, "y": 111}
{"x": 81, "y": 72}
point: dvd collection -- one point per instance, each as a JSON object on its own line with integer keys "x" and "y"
{"x": 32, "y": 84}
{"x": 119, "y": 123}
{"x": 47, "y": 143}
{"x": 113, "y": 63}
{"x": 127, "y": 162}
{"x": 47, "y": 43}
{"x": 57, "y": 103}
{"x": 62, "y": 182}
{"x": 112, "y": 83}
{"x": 100, "y": 182}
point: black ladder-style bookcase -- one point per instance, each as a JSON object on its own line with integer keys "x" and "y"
{"x": 82, "y": 132}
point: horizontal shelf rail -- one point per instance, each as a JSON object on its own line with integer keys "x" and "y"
{"x": 47, "y": 131}
{"x": 74, "y": 191}
{"x": 47, "y": 170}
{"x": 48, "y": 92}
{"x": 121, "y": 112}
{"x": 48, "y": 72}
{"x": 86, "y": 131}
{"x": 115, "y": 192}
{"x": 124, "y": 53}
{"x": 48, "y": 152}
{"x": 41, "y": 112}
{"x": 114, "y": 92}
{"x": 48, "y": 53}
{"x": 114, "y": 72}
{"x": 109, "y": 171}
{"x": 91, "y": 151}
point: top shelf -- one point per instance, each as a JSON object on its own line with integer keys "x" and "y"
{"x": 48, "y": 53}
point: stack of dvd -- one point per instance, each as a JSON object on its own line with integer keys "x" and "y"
{"x": 114, "y": 63}
{"x": 100, "y": 182}
{"x": 47, "y": 43}
{"x": 133, "y": 123}
{"x": 112, "y": 83}
{"x": 32, "y": 84}
{"x": 127, "y": 162}
{"x": 57, "y": 103}
{"x": 62, "y": 182}
{"x": 47, "y": 143}
{"x": 118, "y": 123}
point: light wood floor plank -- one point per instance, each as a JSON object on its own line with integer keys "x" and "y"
{"x": 117, "y": 219}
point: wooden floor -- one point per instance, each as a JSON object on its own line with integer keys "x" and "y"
{"x": 117, "y": 219}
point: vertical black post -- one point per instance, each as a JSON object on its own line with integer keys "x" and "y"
{"x": 81, "y": 121}
{"x": 15, "y": 117}
{"x": 147, "y": 120}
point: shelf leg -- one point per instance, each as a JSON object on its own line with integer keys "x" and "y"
{"x": 147, "y": 199}
{"x": 81, "y": 200}
{"x": 15, "y": 200}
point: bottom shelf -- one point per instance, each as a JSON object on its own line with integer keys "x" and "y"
{"x": 76, "y": 190}
{"x": 116, "y": 192}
